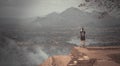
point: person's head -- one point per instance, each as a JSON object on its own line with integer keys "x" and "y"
{"x": 82, "y": 29}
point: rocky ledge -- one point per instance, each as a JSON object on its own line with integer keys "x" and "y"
{"x": 90, "y": 56}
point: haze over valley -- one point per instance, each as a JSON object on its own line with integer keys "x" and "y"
{"x": 29, "y": 41}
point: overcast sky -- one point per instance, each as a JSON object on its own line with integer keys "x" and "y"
{"x": 31, "y": 8}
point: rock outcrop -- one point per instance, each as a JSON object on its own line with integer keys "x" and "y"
{"x": 84, "y": 57}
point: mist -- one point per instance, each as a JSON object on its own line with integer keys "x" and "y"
{"x": 30, "y": 41}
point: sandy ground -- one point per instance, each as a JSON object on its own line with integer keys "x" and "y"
{"x": 105, "y": 56}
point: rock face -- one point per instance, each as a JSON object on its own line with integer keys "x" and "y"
{"x": 76, "y": 58}
{"x": 57, "y": 61}
{"x": 79, "y": 58}
{"x": 94, "y": 56}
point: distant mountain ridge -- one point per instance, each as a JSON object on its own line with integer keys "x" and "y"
{"x": 68, "y": 17}
{"x": 72, "y": 17}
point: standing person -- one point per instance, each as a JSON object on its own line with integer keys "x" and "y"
{"x": 82, "y": 37}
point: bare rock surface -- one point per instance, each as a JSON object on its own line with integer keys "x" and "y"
{"x": 91, "y": 56}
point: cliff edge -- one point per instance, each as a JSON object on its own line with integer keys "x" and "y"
{"x": 91, "y": 56}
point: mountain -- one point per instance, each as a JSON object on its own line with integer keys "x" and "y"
{"x": 74, "y": 17}
{"x": 70, "y": 17}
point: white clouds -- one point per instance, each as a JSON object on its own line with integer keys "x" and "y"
{"x": 44, "y": 7}
{"x": 32, "y": 8}
{"x": 38, "y": 56}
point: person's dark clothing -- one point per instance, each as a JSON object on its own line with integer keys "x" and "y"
{"x": 82, "y": 35}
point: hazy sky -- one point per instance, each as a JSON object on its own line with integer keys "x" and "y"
{"x": 30, "y": 8}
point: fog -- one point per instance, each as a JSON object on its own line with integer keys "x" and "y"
{"x": 21, "y": 44}
{"x": 30, "y": 41}
{"x": 33, "y": 30}
{"x": 30, "y": 51}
